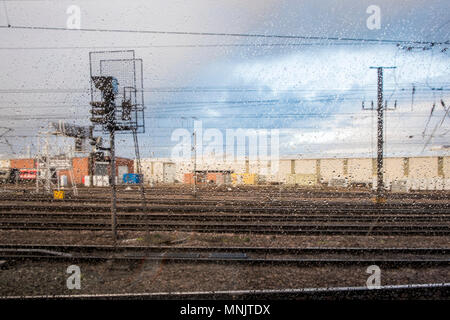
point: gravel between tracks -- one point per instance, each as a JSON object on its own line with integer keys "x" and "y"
{"x": 44, "y": 278}
{"x": 210, "y": 239}
{"x": 32, "y": 278}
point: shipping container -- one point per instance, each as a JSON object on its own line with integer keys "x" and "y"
{"x": 132, "y": 178}
{"x": 188, "y": 178}
{"x": 27, "y": 174}
{"x": 9, "y": 175}
{"x": 244, "y": 178}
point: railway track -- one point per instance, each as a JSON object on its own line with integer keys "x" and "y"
{"x": 314, "y": 256}
{"x": 246, "y": 228}
{"x": 293, "y": 220}
{"x": 247, "y": 191}
{"x": 427, "y": 291}
{"x": 164, "y": 216}
{"x": 198, "y": 200}
{"x": 427, "y": 209}
{"x": 291, "y": 217}
{"x": 209, "y": 200}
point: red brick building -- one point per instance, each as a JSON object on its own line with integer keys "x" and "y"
{"x": 22, "y": 163}
{"x": 81, "y": 167}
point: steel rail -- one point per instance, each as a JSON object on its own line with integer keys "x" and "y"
{"x": 250, "y": 261}
{"x": 428, "y": 291}
{"x": 294, "y": 229}
{"x": 217, "y": 255}
{"x": 231, "y": 217}
{"x": 227, "y": 201}
{"x": 131, "y": 198}
{"x": 236, "y": 209}
{"x": 264, "y": 193}
{"x": 246, "y": 249}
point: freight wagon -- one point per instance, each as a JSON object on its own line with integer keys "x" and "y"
{"x": 9, "y": 175}
{"x": 27, "y": 174}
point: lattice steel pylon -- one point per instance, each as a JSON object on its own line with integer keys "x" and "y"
{"x": 49, "y": 162}
{"x": 117, "y": 100}
{"x": 4, "y": 139}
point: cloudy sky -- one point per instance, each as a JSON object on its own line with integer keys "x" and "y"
{"x": 311, "y": 90}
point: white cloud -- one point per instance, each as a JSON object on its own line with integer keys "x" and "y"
{"x": 314, "y": 72}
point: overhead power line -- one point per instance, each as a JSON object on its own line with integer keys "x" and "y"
{"x": 438, "y": 125}
{"x": 226, "y": 89}
{"x": 296, "y": 116}
{"x": 214, "y": 45}
{"x": 240, "y": 35}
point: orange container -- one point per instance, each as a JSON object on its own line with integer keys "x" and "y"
{"x": 188, "y": 178}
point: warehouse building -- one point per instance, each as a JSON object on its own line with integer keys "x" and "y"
{"x": 4, "y": 163}
{"x": 400, "y": 173}
{"x": 417, "y": 173}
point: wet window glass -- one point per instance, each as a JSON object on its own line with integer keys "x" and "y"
{"x": 225, "y": 150}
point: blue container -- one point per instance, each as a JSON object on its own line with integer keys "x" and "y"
{"x": 132, "y": 178}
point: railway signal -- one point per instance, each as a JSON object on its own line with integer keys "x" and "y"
{"x": 103, "y": 112}
{"x": 117, "y": 102}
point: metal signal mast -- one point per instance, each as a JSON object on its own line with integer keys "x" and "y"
{"x": 380, "y": 132}
{"x": 117, "y": 101}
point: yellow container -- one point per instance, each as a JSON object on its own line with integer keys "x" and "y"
{"x": 249, "y": 178}
{"x": 58, "y": 195}
{"x": 244, "y": 178}
{"x": 236, "y": 178}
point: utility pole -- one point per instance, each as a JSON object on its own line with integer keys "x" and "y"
{"x": 48, "y": 186}
{"x": 109, "y": 94}
{"x": 113, "y": 184}
{"x": 138, "y": 169}
{"x": 380, "y": 196}
{"x": 91, "y": 158}
{"x": 195, "y": 163}
{"x": 380, "y": 131}
{"x": 105, "y": 112}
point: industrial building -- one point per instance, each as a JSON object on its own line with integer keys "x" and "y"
{"x": 400, "y": 173}
{"x": 416, "y": 173}
{"x": 81, "y": 167}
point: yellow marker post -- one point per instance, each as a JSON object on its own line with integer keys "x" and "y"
{"x": 378, "y": 200}
{"x": 58, "y": 195}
